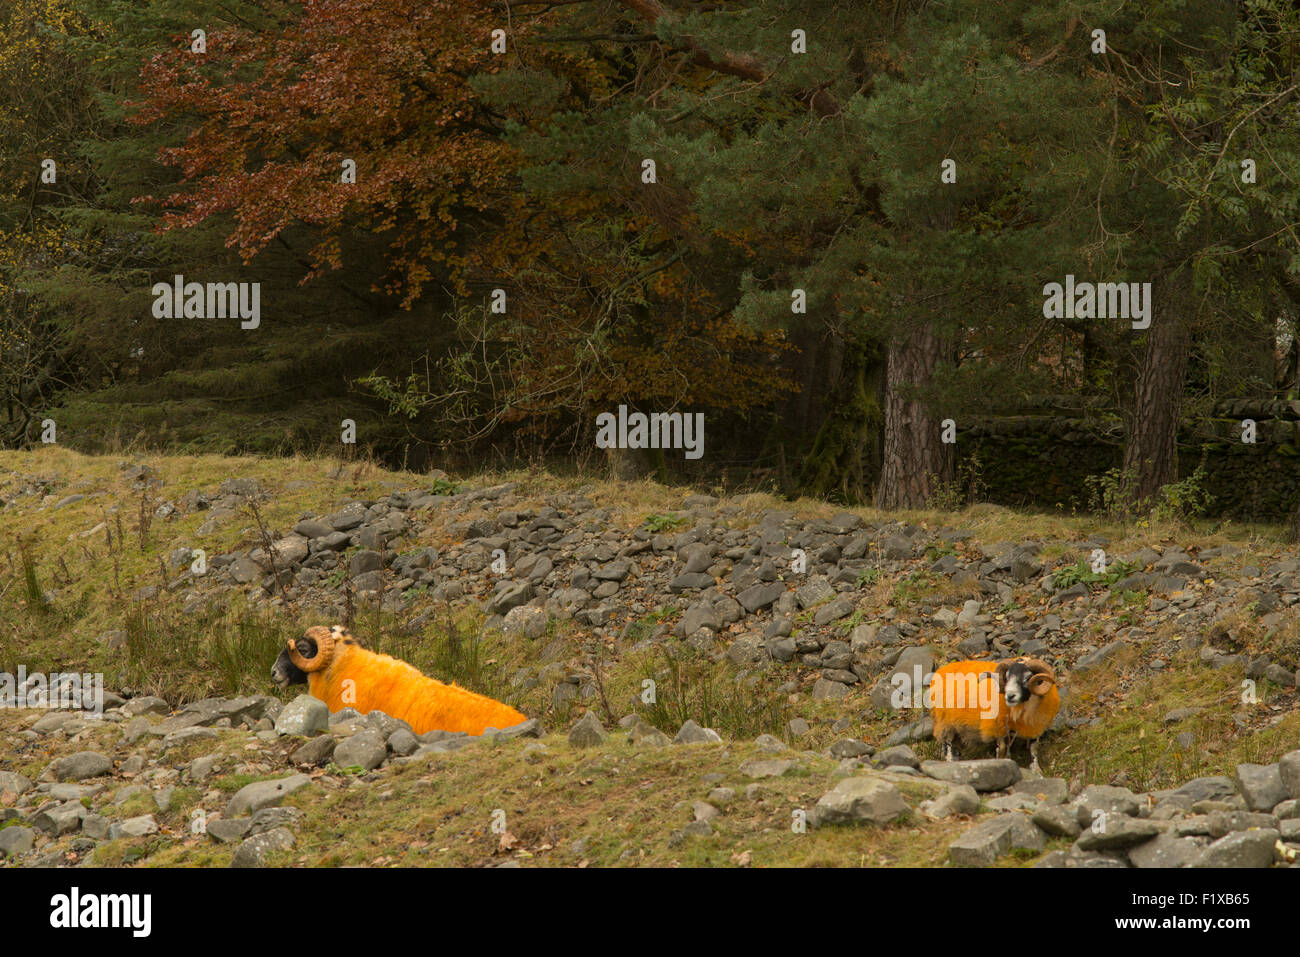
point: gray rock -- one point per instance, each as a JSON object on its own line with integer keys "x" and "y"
{"x": 364, "y": 561}
{"x": 81, "y": 765}
{"x": 1047, "y": 790}
{"x": 311, "y": 528}
{"x": 403, "y": 742}
{"x": 859, "y": 800}
{"x": 899, "y": 755}
{"x": 1011, "y": 802}
{"x": 745, "y": 650}
{"x": 688, "y": 581}
{"x": 52, "y": 722}
{"x": 1219, "y": 823}
{"x": 863, "y": 637}
{"x": 1104, "y": 798}
{"x": 16, "y": 784}
{"x": 141, "y": 826}
{"x": 1208, "y": 788}
{"x": 826, "y": 690}
{"x": 59, "y": 819}
{"x": 760, "y": 596}
{"x": 766, "y": 769}
{"x": 147, "y": 704}
{"x": 254, "y": 851}
{"x": 184, "y": 736}
{"x": 1165, "y": 850}
{"x": 905, "y": 682}
{"x": 1116, "y": 831}
{"x": 1240, "y": 849}
{"x": 983, "y": 844}
{"x": 945, "y": 617}
{"x": 303, "y": 715}
{"x": 366, "y": 749}
{"x": 644, "y": 733}
{"x": 315, "y": 751}
{"x": 385, "y": 723}
{"x": 987, "y": 774}
{"x": 782, "y": 649}
{"x": 833, "y": 611}
{"x": 692, "y": 733}
{"x": 700, "y": 615}
{"x": 961, "y": 799}
{"x": 527, "y": 620}
{"x": 253, "y": 797}
{"x": 703, "y": 811}
{"x": 817, "y": 590}
{"x": 1287, "y": 809}
{"x": 514, "y": 594}
{"x": 243, "y": 570}
{"x": 228, "y": 830}
{"x": 269, "y": 818}
{"x": 969, "y": 612}
{"x": 16, "y": 840}
{"x": 851, "y": 748}
{"x": 240, "y": 487}
{"x": 1261, "y": 785}
{"x": 587, "y": 731}
{"x": 201, "y": 768}
{"x": 1057, "y": 820}
{"x": 1288, "y": 768}
{"x": 532, "y": 728}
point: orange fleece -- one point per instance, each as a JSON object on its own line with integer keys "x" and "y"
{"x": 383, "y": 683}
{"x": 966, "y": 675}
{"x": 1028, "y": 720}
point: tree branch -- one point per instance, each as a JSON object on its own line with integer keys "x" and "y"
{"x": 743, "y": 65}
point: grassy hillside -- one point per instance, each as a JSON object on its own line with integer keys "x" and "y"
{"x": 91, "y": 583}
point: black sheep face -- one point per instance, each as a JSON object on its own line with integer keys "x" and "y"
{"x": 284, "y": 672}
{"x": 1016, "y": 684}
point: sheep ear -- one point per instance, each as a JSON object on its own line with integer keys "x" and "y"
{"x": 1041, "y": 683}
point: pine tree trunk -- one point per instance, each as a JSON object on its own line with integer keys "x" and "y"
{"x": 844, "y": 461}
{"x": 915, "y": 459}
{"x": 1151, "y": 449}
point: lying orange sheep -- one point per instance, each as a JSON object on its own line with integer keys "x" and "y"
{"x": 338, "y": 671}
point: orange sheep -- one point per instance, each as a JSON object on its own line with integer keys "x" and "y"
{"x": 338, "y": 671}
{"x": 987, "y": 702}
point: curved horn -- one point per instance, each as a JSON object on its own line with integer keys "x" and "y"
{"x": 1041, "y": 667}
{"x": 1041, "y": 683}
{"x": 324, "y": 640}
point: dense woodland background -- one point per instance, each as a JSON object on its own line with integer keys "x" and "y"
{"x": 775, "y": 170}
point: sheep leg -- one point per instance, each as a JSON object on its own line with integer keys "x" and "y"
{"x": 1033, "y": 754}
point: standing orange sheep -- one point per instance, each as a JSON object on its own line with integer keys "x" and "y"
{"x": 338, "y": 671}
{"x": 987, "y": 702}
